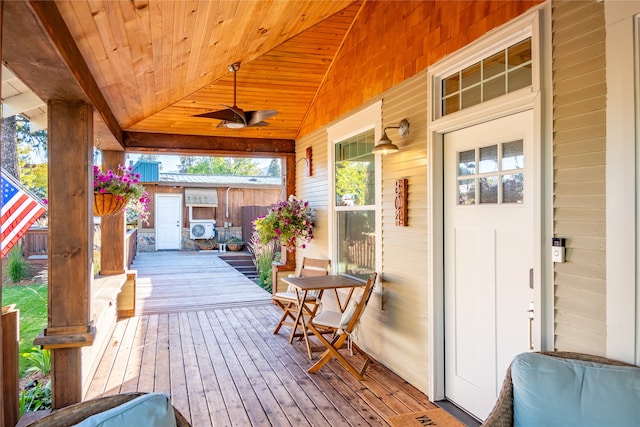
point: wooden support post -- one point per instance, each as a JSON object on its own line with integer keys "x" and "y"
{"x": 288, "y": 259}
{"x": 2, "y": 424}
{"x": 112, "y": 227}
{"x": 10, "y": 385}
{"x": 70, "y": 246}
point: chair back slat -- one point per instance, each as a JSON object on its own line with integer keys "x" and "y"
{"x": 314, "y": 267}
{"x": 362, "y": 303}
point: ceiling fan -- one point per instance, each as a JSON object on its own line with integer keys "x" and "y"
{"x": 235, "y": 117}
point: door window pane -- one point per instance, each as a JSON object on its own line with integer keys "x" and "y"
{"x": 489, "y": 189}
{"x": 467, "y": 163}
{"x": 488, "y": 159}
{"x": 467, "y": 192}
{"x": 513, "y": 188}
{"x": 512, "y": 155}
{"x": 471, "y": 75}
{"x": 494, "y": 173}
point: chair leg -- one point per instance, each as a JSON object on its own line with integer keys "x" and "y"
{"x": 333, "y": 350}
{"x": 286, "y": 313}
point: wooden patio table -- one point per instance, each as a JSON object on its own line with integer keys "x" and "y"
{"x": 303, "y": 285}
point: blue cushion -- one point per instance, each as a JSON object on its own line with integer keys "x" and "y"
{"x": 550, "y": 391}
{"x": 147, "y": 410}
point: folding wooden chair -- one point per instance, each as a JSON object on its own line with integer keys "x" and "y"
{"x": 342, "y": 324}
{"x": 287, "y": 301}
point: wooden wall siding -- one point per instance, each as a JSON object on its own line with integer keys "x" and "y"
{"x": 238, "y": 197}
{"x": 579, "y": 101}
{"x": 392, "y": 41}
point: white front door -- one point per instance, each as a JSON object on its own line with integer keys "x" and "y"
{"x": 168, "y": 221}
{"x": 490, "y": 249}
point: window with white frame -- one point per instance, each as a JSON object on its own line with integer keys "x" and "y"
{"x": 355, "y": 204}
{"x": 498, "y": 74}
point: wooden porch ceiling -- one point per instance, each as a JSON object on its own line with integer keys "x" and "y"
{"x": 150, "y": 66}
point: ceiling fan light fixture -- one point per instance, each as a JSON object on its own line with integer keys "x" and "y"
{"x": 233, "y": 125}
{"x": 234, "y": 117}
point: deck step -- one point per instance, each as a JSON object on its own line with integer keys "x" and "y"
{"x": 243, "y": 262}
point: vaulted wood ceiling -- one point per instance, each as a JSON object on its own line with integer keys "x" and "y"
{"x": 156, "y": 64}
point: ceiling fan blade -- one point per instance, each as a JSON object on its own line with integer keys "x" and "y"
{"x": 231, "y": 115}
{"x": 259, "y": 116}
{"x": 225, "y": 114}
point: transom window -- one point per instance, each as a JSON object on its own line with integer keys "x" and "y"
{"x": 496, "y": 75}
{"x": 491, "y": 175}
{"x": 355, "y": 201}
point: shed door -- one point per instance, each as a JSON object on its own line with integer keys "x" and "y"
{"x": 489, "y": 256}
{"x": 168, "y": 222}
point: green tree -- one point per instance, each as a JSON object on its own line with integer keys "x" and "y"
{"x": 185, "y": 163}
{"x": 352, "y": 178}
{"x": 224, "y": 166}
{"x": 274, "y": 168}
{"x": 38, "y": 141}
{"x": 33, "y": 176}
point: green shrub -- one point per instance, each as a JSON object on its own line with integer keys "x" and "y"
{"x": 40, "y": 360}
{"x": 18, "y": 267}
{"x": 263, "y": 257}
{"x": 35, "y": 398}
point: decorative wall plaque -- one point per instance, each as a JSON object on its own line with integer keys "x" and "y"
{"x": 402, "y": 196}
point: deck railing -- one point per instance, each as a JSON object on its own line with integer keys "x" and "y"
{"x": 35, "y": 245}
{"x": 130, "y": 246}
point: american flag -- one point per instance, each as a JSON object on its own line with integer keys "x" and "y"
{"x": 19, "y": 211}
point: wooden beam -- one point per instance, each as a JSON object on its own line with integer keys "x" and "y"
{"x": 207, "y": 145}
{"x": 70, "y": 243}
{"x": 10, "y": 385}
{"x": 2, "y": 350}
{"x": 112, "y": 227}
{"x": 48, "y": 61}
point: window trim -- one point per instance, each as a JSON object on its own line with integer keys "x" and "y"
{"x": 368, "y": 118}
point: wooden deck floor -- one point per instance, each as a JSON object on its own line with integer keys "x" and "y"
{"x": 222, "y": 366}
{"x": 170, "y": 282}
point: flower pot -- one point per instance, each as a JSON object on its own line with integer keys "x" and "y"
{"x": 107, "y": 204}
{"x": 235, "y": 247}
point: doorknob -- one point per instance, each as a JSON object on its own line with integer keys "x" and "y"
{"x": 530, "y": 312}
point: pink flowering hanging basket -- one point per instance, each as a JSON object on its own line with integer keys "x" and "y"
{"x": 108, "y": 204}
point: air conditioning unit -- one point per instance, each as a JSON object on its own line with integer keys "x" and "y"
{"x": 202, "y": 230}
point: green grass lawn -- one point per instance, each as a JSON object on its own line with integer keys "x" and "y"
{"x": 31, "y": 300}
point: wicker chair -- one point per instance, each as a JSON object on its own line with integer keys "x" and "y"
{"x": 73, "y": 414}
{"x": 502, "y": 413}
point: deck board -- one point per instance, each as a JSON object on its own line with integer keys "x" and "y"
{"x": 217, "y": 358}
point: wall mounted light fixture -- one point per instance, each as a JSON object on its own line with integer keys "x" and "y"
{"x": 385, "y": 146}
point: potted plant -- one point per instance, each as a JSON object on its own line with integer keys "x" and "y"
{"x": 206, "y": 244}
{"x": 235, "y": 244}
{"x": 289, "y": 223}
{"x": 112, "y": 192}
